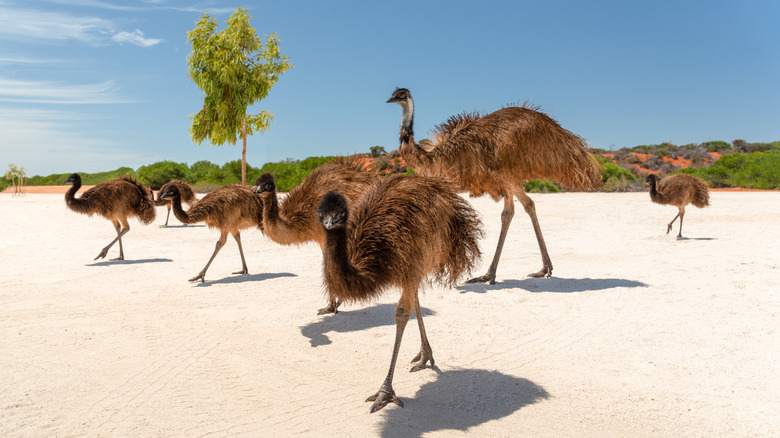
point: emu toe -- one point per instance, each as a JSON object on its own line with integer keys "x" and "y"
{"x": 384, "y": 396}
{"x": 546, "y": 271}
{"x": 198, "y": 277}
{"x": 421, "y": 359}
{"x": 241, "y": 272}
{"x": 333, "y": 307}
{"x": 487, "y": 278}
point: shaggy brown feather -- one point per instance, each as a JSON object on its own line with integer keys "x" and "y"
{"x": 187, "y": 196}
{"x": 678, "y": 190}
{"x": 496, "y": 154}
{"x": 404, "y": 231}
{"x": 294, "y": 221}
{"x": 116, "y": 200}
{"x": 229, "y": 208}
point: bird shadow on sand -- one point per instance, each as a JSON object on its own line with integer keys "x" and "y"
{"x": 181, "y": 226}
{"x": 458, "y": 400}
{"x": 353, "y": 321}
{"x": 696, "y": 238}
{"x": 130, "y": 262}
{"x": 247, "y": 277}
{"x": 560, "y": 285}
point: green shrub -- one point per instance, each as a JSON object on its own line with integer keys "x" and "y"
{"x": 289, "y": 173}
{"x": 541, "y": 186}
{"x": 156, "y": 174}
{"x": 756, "y": 170}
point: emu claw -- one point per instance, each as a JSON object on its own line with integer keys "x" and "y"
{"x": 333, "y": 307}
{"x": 420, "y": 360}
{"x": 487, "y": 278}
{"x": 544, "y": 272}
{"x": 382, "y": 398}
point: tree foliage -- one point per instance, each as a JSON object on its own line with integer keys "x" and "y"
{"x": 157, "y": 174}
{"x": 234, "y": 69}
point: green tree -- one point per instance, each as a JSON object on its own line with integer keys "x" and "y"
{"x": 234, "y": 69}
{"x": 159, "y": 173}
{"x": 377, "y": 151}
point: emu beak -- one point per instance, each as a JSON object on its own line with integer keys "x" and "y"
{"x": 327, "y": 222}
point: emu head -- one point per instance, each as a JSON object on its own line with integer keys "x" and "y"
{"x": 170, "y": 192}
{"x": 264, "y": 184}
{"x": 72, "y": 179}
{"x": 332, "y": 211}
{"x": 651, "y": 179}
{"x": 400, "y": 96}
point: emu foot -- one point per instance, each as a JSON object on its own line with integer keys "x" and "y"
{"x": 200, "y": 277}
{"x": 422, "y": 357}
{"x": 241, "y": 272}
{"x": 333, "y": 307}
{"x": 546, "y": 271}
{"x": 384, "y": 396}
{"x": 669, "y": 228}
{"x": 121, "y": 257}
{"x": 489, "y": 278}
{"x": 102, "y": 254}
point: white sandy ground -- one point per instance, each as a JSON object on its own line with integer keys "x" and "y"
{"x": 637, "y": 334}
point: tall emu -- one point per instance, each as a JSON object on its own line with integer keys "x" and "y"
{"x": 678, "y": 190}
{"x": 294, "y": 221}
{"x": 496, "y": 154}
{"x": 229, "y": 208}
{"x": 115, "y": 200}
{"x": 187, "y": 196}
{"x": 406, "y": 229}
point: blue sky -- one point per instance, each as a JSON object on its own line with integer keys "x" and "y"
{"x": 92, "y": 85}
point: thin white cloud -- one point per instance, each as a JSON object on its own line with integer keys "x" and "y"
{"x": 96, "y": 4}
{"x": 34, "y": 24}
{"x": 46, "y": 141}
{"x": 137, "y": 38}
{"x": 27, "y": 24}
{"x": 24, "y": 60}
{"x": 12, "y": 90}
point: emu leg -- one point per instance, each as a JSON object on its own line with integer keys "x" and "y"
{"x": 245, "y": 270}
{"x": 528, "y": 206}
{"x": 682, "y": 214}
{"x": 119, "y": 233}
{"x": 220, "y": 244}
{"x": 386, "y": 394}
{"x": 169, "y": 215}
{"x": 426, "y": 353}
{"x": 506, "y": 219}
{"x": 669, "y": 227}
{"x": 333, "y": 307}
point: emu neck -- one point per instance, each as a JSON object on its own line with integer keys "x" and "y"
{"x": 655, "y": 195}
{"x": 339, "y": 271}
{"x": 272, "y": 222}
{"x": 407, "y": 122}
{"x": 181, "y": 215}
{"x": 77, "y": 204}
{"x": 70, "y": 195}
{"x": 417, "y": 157}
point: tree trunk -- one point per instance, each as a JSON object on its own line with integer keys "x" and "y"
{"x": 243, "y": 153}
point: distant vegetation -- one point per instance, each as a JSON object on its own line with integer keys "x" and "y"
{"x": 721, "y": 164}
